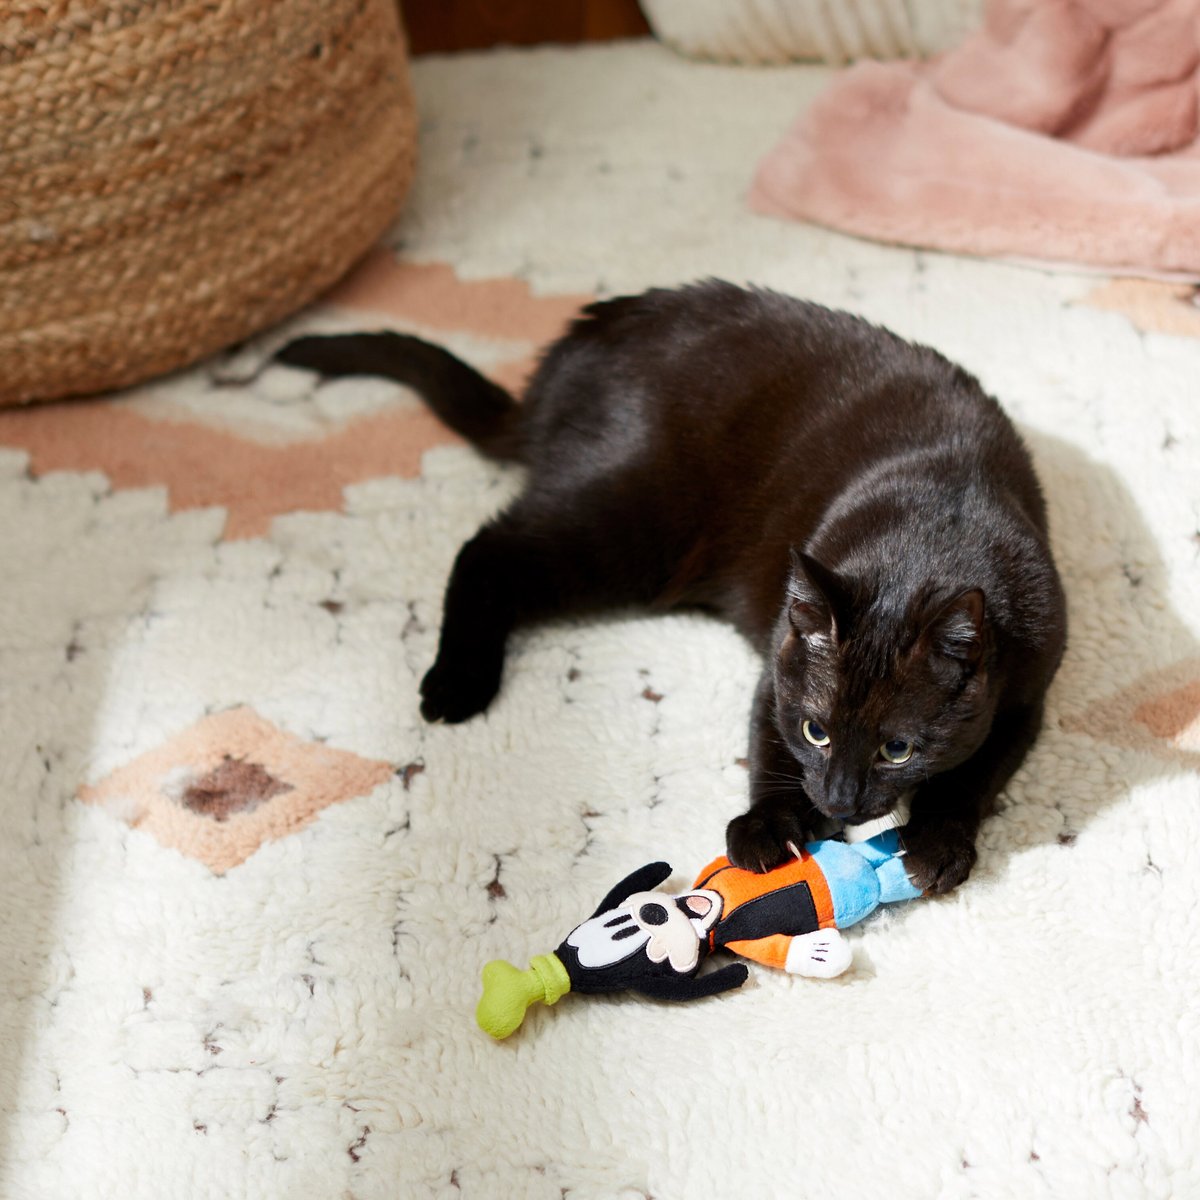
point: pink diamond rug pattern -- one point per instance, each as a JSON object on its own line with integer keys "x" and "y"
{"x": 221, "y": 788}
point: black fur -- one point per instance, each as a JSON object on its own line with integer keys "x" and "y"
{"x": 482, "y": 411}
{"x": 856, "y": 505}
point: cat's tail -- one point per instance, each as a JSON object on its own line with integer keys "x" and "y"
{"x": 472, "y": 405}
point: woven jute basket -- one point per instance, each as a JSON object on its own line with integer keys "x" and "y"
{"x": 178, "y": 174}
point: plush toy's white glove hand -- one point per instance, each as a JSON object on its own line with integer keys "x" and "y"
{"x": 819, "y": 955}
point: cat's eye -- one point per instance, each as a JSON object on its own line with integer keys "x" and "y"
{"x": 814, "y": 733}
{"x": 896, "y": 751}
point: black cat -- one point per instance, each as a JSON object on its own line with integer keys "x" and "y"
{"x": 856, "y": 505}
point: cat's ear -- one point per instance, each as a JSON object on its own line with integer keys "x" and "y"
{"x": 817, "y": 600}
{"x": 956, "y": 629}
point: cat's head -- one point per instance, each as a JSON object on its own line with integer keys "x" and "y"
{"x": 873, "y": 699}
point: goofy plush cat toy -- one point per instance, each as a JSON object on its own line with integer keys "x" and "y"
{"x": 651, "y": 942}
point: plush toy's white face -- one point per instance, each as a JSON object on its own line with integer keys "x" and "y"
{"x": 663, "y": 927}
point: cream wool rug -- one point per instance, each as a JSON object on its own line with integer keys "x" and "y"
{"x": 245, "y": 893}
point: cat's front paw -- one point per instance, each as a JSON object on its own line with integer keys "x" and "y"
{"x": 759, "y": 840}
{"x": 938, "y": 859}
{"x": 455, "y": 689}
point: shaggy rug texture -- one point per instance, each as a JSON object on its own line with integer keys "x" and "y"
{"x": 245, "y": 893}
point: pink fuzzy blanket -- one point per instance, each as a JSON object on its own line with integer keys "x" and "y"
{"x": 1065, "y": 130}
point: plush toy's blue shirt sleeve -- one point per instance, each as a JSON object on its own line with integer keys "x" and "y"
{"x": 863, "y": 875}
{"x": 884, "y": 854}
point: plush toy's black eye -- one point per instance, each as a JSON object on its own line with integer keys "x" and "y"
{"x": 653, "y": 914}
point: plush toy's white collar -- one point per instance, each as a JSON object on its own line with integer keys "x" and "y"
{"x": 869, "y": 829}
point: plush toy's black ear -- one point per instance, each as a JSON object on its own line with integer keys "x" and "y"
{"x": 693, "y": 987}
{"x": 644, "y": 879}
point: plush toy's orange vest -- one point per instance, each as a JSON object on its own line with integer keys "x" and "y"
{"x": 762, "y": 913}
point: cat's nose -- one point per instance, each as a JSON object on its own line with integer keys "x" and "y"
{"x": 841, "y": 797}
